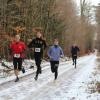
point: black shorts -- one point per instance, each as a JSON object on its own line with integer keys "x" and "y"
{"x": 17, "y": 62}
{"x": 74, "y": 57}
{"x": 54, "y": 65}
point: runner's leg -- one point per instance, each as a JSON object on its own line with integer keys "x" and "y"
{"x": 56, "y": 69}
{"x": 15, "y": 62}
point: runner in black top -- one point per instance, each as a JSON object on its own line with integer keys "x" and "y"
{"x": 74, "y": 50}
{"x": 39, "y": 45}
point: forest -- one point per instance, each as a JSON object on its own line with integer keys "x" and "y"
{"x": 56, "y": 19}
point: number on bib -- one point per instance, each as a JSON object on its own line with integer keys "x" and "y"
{"x": 17, "y": 55}
{"x": 37, "y": 49}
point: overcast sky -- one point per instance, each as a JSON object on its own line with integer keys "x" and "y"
{"x": 94, "y": 2}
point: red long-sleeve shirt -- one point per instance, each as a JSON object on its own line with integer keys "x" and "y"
{"x": 18, "y": 48}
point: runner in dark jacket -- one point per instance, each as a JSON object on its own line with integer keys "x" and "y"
{"x": 39, "y": 45}
{"x": 74, "y": 51}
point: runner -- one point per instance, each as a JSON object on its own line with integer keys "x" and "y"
{"x": 39, "y": 45}
{"x": 17, "y": 49}
{"x": 74, "y": 50}
{"x": 54, "y": 53}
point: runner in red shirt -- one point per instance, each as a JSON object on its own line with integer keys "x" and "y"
{"x": 17, "y": 49}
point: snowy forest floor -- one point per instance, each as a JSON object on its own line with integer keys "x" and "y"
{"x": 72, "y": 84}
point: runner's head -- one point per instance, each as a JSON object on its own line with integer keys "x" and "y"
{"x": 74, "y": 45}
{"x": 56, "y": 42}
{"x": 38, "y": 34}
{"x": 17, "y": 38}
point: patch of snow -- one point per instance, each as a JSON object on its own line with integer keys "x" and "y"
{"x": 71, "y": 84}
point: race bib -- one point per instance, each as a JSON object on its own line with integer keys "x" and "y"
{"x": 37, "y": 49}
{"x": 17, "y": 55}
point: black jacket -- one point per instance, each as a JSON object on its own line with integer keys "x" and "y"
{"x": 39, "y": 45}
{"x": 74, "y": 50}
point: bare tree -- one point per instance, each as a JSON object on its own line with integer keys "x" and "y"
{"x": 98, "y": 26}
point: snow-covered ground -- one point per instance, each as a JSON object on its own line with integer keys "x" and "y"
{"x": 72, "y": 84}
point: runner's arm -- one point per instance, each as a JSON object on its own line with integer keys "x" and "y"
{"x": 31, "y": 44}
